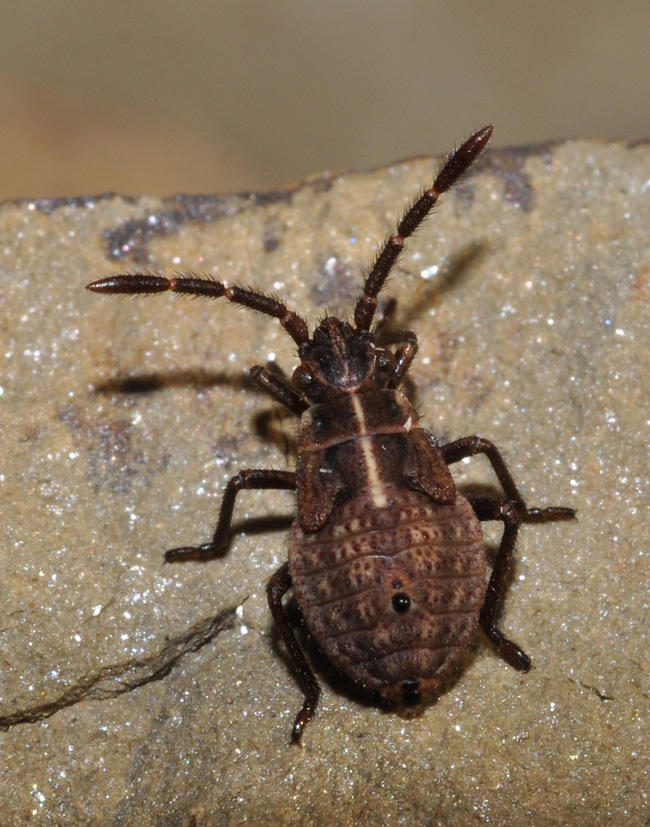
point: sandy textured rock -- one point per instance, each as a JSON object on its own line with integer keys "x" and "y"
{"x": 133, "y": 692}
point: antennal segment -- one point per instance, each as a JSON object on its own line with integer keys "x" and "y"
{"x": 144, "y": 283}
{"x": 455, "y": 166}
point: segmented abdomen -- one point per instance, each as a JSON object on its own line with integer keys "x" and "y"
{"x": 392, "y": 595}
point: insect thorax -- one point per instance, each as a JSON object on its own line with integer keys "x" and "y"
{"x": 352, "y": 444}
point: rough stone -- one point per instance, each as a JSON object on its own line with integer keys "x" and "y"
{"x": 136, "y": 693}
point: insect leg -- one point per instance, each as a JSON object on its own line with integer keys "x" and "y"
{"x": 277, "y": 587}
{"x": 249, "y": 479}
{"x": 489, "y": 508}
{"x": 469, "y": 446}
{"x": 404, "y": 355}
{"x": 406, "y": 340}
{"x": 273, "y": 381}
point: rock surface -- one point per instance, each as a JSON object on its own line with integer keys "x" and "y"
{"x": 136, "y": 693}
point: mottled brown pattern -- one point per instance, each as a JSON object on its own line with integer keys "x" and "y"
{"x": 344, "y": 578}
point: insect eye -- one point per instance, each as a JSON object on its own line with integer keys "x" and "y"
{"x": 401, "y": 603}
{"x": 384, "y": 358}
{"x": 302, "y": 376}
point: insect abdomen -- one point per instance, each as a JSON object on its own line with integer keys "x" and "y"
{"x": 392, "y": 595}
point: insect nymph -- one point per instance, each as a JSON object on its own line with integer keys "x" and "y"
{"x": 386, "y": 558}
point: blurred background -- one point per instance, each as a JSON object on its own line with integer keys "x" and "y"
{"x": 163, "y": 96}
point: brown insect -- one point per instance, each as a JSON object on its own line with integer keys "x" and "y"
{"x": 386, "y": 558}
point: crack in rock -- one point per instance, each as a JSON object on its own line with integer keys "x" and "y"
{"x": 112, "y": 680}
